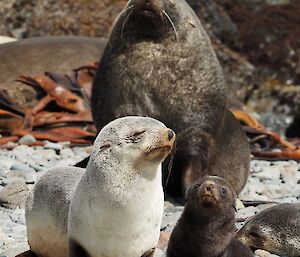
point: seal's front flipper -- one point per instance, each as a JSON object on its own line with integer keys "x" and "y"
{"x": 149, "y": 253}
{"x": 28, "y": 253}
{"x": 83, "y": 163}
{"x": 76, "y": 250}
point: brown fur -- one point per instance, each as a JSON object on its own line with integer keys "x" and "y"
{"x": 207, "y": 225}
{"x": 172, "y": 74}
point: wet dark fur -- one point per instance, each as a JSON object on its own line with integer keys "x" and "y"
{"x": 275, "y": 229}
{"x": 206, "y": 230}
{"x": 151, "y": 69}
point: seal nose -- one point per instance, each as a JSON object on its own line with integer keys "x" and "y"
{"x": 170, "y": 135}
{"x": 208, "y": 187}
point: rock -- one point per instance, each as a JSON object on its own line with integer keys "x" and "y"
{"x": 159, "y": 253}
{"x": 268, "y": 173}
{"x": 54, "y": 146}
{"x": 263, "y": 253}
{"x": 4, "y": 39}
{"x": 29, "y": 173}
{"x": 22, "y": 167}
{"x": 13, "y": 195}
{"x": 27, "y": 140}
{"x": 247, "y": 212}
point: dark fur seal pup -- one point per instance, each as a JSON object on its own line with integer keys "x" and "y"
{"x": 159, "y": 62}
{"x": 276, "y": 229}
{"x": 207, "y": 225}
{"x": 114, "y": 207}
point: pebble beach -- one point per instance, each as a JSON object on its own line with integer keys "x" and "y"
{"x": 21, "y": 165}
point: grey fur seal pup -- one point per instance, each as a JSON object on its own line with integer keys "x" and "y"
{"x": 115, "y": 207}
{"x": 159, "y": 62}
{"x": 275, "y": 229}
{"x": 207, "y": 225}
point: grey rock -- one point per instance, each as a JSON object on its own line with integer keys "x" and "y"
{"x": 13, "y": 195}
{"x": 11, "y": 180}
{"x": 51, "y": 145}
{"x": 27, "y": 140}
{"x": 22, "y": 167}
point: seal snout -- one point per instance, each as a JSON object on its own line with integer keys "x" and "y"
{"x": 208, "y": 193}
{"x": 164, "y": 142}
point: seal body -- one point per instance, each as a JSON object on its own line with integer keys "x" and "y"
{"x": 275, "y": 229}
{"x": 114, "y": 207}
{"x": 207, "y": 225}
{"x": 34, "y": 56}
{"x": 159, "y": 62}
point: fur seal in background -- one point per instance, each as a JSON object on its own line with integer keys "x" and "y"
{"x": 207, "y": 225}
{"x": 276, "y": 230}
{"x": 159, "y": 62}
{"x": 116, "y": 204}
{"x": 34, "y": 56}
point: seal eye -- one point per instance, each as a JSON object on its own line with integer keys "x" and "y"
{"x": 104, "y": 147}
{"x": 196, "y": 186}
{"x": 223, "y": 191}
{"x": 254, "y": 234}
{"x": 136, "y": 134}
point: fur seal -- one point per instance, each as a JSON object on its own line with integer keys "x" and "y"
{"x": 159, "y": 62}
{"x": 36, "y": 55}
{"x": 207, "y": 225}
{"x": 114, "y": 207}
{"x": 275, "y": 229}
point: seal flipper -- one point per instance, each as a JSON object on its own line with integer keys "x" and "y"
{"x": 83, "y": 163}
{"x": 76, "y": 250}
{"x": 149, "y": 253}
{"x": 28, "y": 253}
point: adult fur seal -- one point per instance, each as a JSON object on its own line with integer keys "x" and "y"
{"x": 34, "y": 56}
{"x": 159, "y": 63}
{"x": 207, "y": 225}
{"x": 116, "y": 204}
{"x": 276, "y": 229}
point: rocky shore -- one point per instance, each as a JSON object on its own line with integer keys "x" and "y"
{"x": 21, "y": 165}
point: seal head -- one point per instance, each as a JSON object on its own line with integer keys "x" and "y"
{"x": 207, "y": 225}
{"x": 275, "y": 229}
{"x": 121, "y": 190}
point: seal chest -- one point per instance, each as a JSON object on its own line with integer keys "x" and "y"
{"x": 159, "y": 62}
{"x": 207, "y": 225}
{"x": 112, "y": 209}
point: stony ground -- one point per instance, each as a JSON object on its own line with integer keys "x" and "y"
{"x": 21, "y": 165}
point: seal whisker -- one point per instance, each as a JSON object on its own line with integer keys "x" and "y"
{"x": 170, "y": 166}
{"x": 126, "y": 19}
{"x": 171, "y": 22}
{"x": 125, "y": 10}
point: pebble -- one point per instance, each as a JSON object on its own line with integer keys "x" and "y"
{"x": 21, "y": 166}
{"x": 27, "y": 140}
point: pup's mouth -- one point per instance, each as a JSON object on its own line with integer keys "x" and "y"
{"x": 207, "y": 200}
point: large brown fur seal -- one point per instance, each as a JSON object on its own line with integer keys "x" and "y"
{"x": 159, "y": 62}
{"x": 207, "y": 225}
{"x": 114, "y": 207}
{"x": 276, "y": 229}
{"x": 34, "y": 56}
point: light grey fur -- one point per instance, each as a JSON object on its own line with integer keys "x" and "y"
{"x": 118, "y": 165}
{"x": 47, "y": 208}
